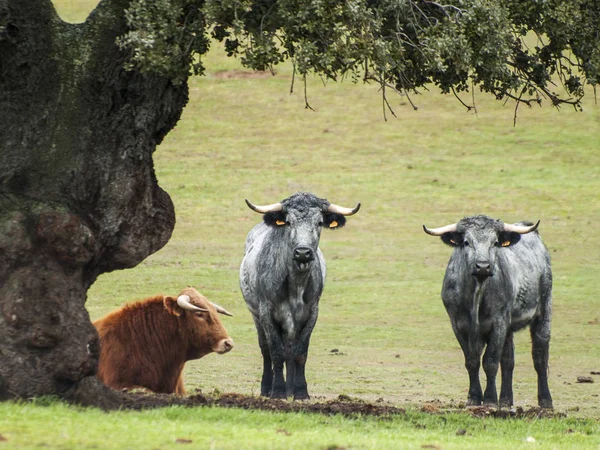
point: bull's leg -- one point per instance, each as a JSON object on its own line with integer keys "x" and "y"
{"x": 300, "y": 385}
{"x": 179, "y": 388}
{"x": 277, "y": 358}
{"x": 278, "y": 388}
{"x": 267, "y": 375}
{"x": 475, "y": 395}
{"x": 540, "y": 343}
{"x": 290, "y": 371}
{"x": 507, "y": 365}
{"x": 472, "y": 364}
{"x": 491, "y": 363}
{"x": 300, "y": 354}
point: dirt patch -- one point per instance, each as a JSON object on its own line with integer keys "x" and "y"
{"x": 438, "y": 407}
{"x": 515, "y": 413}
{"x": 90, "y": 392}
{"x": 341, "y": 405}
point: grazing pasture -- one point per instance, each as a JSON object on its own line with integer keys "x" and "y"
{"x": 382, "y": 334}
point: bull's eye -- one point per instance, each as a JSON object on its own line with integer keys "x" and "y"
{"x": 279, "y": 222}
{"x": 505, "y": 243}
{"x": 466, "y": 243}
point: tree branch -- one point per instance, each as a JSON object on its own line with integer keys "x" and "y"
{"x": 469, "y": 108}
{"x": 293, "y": 76}
{"x": 555, "y": 99}
{"x": 306, "y": 104}
{"x": 444, "y": 8}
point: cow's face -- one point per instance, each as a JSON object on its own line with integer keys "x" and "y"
{"x": 299, "y": 225}
{"x": 199, "y": 323}
{"x": 479, "y": 239}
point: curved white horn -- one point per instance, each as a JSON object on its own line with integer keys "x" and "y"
{"x": 183, "y": 301}
{"x": 521, "y": 229}
{"x": 439, "y": 231}
{"x": 221, "y": 310}
{"x": 264, "y": 209}
{"x": 343, "y": 211}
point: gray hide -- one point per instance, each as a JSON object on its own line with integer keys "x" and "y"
{"x": 282, "y": 277}
{"x": 498, "y": 281}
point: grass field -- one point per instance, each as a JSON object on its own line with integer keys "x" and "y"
{"x": 243, "y": 135}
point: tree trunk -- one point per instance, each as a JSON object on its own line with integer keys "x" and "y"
{"x": 78, "y": 192}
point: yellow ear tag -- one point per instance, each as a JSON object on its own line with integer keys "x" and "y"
{"x": 333, "y": 224}
{"x": 505, "y": 243}
{"x": 279, "y": 222}
{"x": 453, "y": 241}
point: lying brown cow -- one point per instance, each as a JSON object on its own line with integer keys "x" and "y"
{"x": 147, "y": 343}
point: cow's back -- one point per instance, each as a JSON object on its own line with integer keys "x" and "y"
{"x": 114, "y": 365}
{"x": 128, "y": 337}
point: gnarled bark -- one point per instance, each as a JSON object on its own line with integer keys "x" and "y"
{"x": 78, "y": 192}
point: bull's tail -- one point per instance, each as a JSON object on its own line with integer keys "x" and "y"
{"x": 474, "y": 329}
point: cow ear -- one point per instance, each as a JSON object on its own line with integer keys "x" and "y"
{"x": 333, "y": 221}
{"x": 275, "y": 219}
{"x": 453, "y": 239}
{"x": 172, "y": 307}
{"x": 508, "y": 238}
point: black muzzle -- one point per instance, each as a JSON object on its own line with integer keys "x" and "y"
{"x": 482, "y": 270}
{"x": 303, "y": 256}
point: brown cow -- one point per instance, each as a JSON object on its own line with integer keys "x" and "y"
{"x": 147, "y": 343}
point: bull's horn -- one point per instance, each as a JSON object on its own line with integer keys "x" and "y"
{"x": 341, "y": 210}
{"x": 439, "y": 231}
{"x": 521, "y": 229}
{"x": 264, "y": 209}
{"x": 183, "y": 301}
{"x": 221, "y": 310}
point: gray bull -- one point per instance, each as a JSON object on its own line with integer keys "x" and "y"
{"x": 498, "y": 281}
{"x": 282, "y": 277}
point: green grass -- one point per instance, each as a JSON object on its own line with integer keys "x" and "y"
{"x": 245, "y": 136}
{"x": 234, "y": 429}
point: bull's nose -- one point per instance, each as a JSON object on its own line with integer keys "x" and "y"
{"x": 224, "y": 346}
{"x": 303, "y": 254}
{"x": 482, "y": 266}
{"x": 483, "y": 269}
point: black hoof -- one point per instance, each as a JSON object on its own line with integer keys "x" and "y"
{"x": 473, "y": 402}
{"x": 278, "y": 395}
{"x": 302, "y": 396}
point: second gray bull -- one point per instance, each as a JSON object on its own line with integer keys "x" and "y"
{"x": 282, "y": 277}
{"x": 498, "y": 281}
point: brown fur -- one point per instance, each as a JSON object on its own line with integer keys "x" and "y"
{"x": 147, "y": 343}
